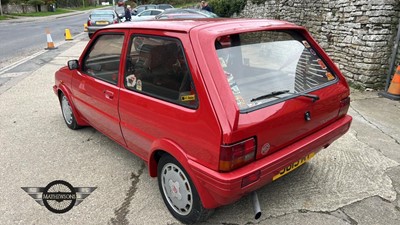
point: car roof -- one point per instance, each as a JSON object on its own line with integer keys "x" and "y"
{"x": 204, "y": 13}
{"x": 146, "y": 6}
{"x": 180, "y": 15}
{"x": 212, "y": 24}
{"x": 159, "y": 10}
{"x": 102, "y": 11}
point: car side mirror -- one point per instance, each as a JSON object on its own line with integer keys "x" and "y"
{"x": 73, "y": 64}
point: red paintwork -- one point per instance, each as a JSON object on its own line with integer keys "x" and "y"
{"x": 145, "y": 125}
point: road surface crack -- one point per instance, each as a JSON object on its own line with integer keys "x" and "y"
{"x": 123, "y": 210}
{"x": 343, "y": 216}
{"x": 375, "y": 126}
{"x": 340, "y": 214}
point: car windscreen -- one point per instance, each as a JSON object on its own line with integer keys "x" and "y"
{"x": 263, "y": 68}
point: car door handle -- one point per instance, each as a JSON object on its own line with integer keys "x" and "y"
{"x": 109, "y": 94}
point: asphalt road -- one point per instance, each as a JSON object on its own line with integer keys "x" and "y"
{"x": 23, "y": 37}
{"x": 354, "y": 181}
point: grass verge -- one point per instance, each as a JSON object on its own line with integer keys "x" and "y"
{"x": 37, "y": 14}
{"x": 57, "y": 11}
{"x": 6, "y": 17}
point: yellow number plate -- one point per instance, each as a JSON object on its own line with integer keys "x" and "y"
{"x": 101, "y": 23}
{"x": 294, "y": 166}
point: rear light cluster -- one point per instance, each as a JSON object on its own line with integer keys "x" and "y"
{"x": 89, "y": 23}
{"x": 344, "y": 106}
{"x": 237, "y": 155}
{"x": 115, "y": 21}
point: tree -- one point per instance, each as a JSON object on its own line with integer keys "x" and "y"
{"x": 36, "y": 3}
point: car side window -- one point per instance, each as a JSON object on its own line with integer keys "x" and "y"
{"x": 154, "y": 12}
{"x": 157, "y": 67}
{"x": 102, "y": 60}
{"x": 147, "y": 13}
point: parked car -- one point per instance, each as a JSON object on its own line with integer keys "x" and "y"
{"x": 146, "y": 15}
{"x": 141, "y": 8}
{"x": 120, "y": 10}
{"x": 179, "y": 16}
{"x": 164, "y": 6}
{"x": 213, "y": 121}
{"x": 185, "y": 14}
{"x": 101, "y": 18}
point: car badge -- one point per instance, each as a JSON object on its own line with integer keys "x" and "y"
{"x": 265, "y": 148}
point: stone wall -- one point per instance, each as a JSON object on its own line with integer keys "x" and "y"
{"x": 13, "y": 8}
{"x": 357, "y": 34}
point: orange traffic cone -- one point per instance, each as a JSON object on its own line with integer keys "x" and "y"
{"x": 50, "y": 43}
{"x": 394, "y": 88}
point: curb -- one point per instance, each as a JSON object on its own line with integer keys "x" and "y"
{"x": 21, "y": 19}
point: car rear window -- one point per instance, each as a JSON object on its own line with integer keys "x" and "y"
{"x": 260, "y": 65}
{"x": 101, "y": 13}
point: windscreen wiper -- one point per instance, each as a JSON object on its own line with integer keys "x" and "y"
{"x": 276, "y": 93}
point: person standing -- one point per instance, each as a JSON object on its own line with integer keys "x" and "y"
{"x": 205, "y": 6}
{"x": 128, "y": 13}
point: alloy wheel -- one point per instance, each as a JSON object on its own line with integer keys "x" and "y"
{"x": 176, "y": 188}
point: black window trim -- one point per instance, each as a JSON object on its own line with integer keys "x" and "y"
{"x": 91, "y": 48}
{"x": 130, "y": 44}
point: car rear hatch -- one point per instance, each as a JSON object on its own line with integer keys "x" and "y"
{"x": 101, "y": 19}
{"x": 285, "y": 87}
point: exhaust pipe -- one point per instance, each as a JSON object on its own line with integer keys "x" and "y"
{"x": 256, "y": 205}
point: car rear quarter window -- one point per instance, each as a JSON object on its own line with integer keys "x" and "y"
{"x": 102, "y": 60}
{"x": 157, "y": 66}
{"x": 262, "y": 63}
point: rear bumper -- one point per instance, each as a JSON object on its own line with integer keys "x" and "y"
{"x": 225, "y": 188}
{"x": 92, "y": 29}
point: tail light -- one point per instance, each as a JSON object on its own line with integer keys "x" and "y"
{"x": 344, "y": 106}
{"x": 89, "y": 23}
{"x": 237, "y": 155}
{"x": 115, "y": 21}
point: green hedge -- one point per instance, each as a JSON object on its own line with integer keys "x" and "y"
{"x": 226, "y": 8}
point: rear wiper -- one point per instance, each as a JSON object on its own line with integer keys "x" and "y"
{"x": 276, "y": 93}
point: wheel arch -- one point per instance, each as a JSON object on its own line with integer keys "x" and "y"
{"x": 162, "y": 147}
{"x": 63, "y": 90}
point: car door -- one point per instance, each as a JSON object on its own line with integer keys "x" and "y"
{"x": 95, "y": 86}
{"x": 159, "y": 98}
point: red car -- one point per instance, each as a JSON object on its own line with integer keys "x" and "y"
{"x": 217, "y": 108}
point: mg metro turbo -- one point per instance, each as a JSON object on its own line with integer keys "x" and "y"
{"x": 217, "y": 108}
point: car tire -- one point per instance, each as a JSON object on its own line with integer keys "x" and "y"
{"x": 67, "y": 113}
{"x": 178, "y": 192}
{"x": 90, "y": 35}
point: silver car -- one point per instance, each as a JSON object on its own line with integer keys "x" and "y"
{"x": 101, "y": 18}
{"x": 148, "y": 14}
